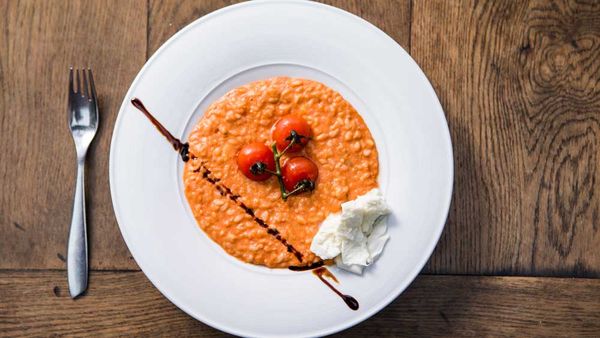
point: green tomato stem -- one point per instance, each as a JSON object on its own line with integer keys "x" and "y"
{"x": 271, "y": 172}
{"x": 287, "y": 147}
{"x": 298, "y": 189}
{"x": 277, "y": 156}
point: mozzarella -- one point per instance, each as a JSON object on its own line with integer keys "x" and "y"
{"x": 356, "y": 236}
{"x": 326, "y": 244}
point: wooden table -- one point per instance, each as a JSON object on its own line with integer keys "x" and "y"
{"x": 519, "y": 82}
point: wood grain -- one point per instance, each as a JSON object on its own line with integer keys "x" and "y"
{"x": 120, "y": 303}
{"x": 520, "y": 84}
{"x": 391, "y": 16}
{"x": 168, "y": 17}
{"x": 39, "y": 40}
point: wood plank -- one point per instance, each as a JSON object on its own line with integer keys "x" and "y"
{"x": 168, "y": 17}
{"x": 118, "y": 303}
{"x": 39, "y": 40}
{"x": 520, "y": 84}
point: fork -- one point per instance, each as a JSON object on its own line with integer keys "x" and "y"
{"x": 83, "y": 123}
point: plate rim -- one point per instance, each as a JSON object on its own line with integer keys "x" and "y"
{"x": 401, "y": 287}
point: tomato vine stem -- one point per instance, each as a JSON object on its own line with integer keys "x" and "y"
{"x": 305, "y": 184}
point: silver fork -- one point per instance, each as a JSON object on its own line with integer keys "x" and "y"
{"x": 83, "y": 122}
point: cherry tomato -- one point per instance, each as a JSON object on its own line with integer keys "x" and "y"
{"x": 298, "y": 170}
{"x": 282, "y": 131}
{"x": 253, "y": 158}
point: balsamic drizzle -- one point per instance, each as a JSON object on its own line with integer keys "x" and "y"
{"x": 349, "y": 300}
{"x": 312, "y": 266}
{"x": 183, "y": 149}
{"x": 225, "y": 191}
{"x": 180, "y": 147}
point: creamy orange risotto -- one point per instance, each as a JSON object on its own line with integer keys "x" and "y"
{"x": 341, "y": 147}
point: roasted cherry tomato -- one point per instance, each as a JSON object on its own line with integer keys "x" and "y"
{"x": 282, "y": 133}
{"x": 253, "y": 159}
{"x": 299, "y": 171}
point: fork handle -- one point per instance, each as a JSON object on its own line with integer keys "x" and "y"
{"x": 77, "y": 255}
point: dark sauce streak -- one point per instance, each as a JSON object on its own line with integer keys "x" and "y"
{"x": 183, "y": 149}
{"x": 185, "y": 152}
{"x": 225, "y": 191}
{"x": 307, "y": 267}
{"x": 349, "y": 300}
{"x": 180, "y": 147}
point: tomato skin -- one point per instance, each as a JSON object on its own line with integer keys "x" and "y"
{"x": 252, "y": 154}
{"x": 284, "y": 126}
{"x": 297, "y": 169}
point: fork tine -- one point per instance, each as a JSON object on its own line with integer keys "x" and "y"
{"x": 85, "y": 92}
{"x": 71, "y": 80}
{"x": 92, "y": 86}
{"x": 78, "y": 88}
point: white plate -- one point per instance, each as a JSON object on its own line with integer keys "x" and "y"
{"x": 252, "y": 41}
